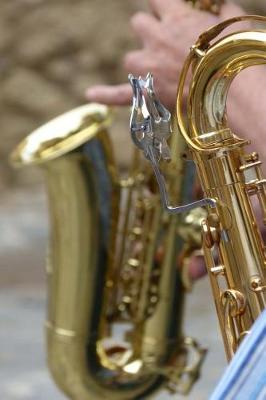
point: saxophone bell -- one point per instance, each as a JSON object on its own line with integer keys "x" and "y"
{"x": 103, "y": 271}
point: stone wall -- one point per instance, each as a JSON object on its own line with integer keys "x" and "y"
{"x": 50, "y": 51}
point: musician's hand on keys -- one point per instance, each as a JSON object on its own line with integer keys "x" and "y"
{"x": 165, "y": 36}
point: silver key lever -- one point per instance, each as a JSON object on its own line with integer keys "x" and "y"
{"x": 150, "y": 127}
{"x": 150, "y": 122}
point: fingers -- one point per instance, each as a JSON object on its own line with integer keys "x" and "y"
{"x": 197, "y": 268}
{"x": 146, "y": 27}
{"x": 140, "y": 62}
{"x": 160, "y": 8}
{"x": 119, "y": 95}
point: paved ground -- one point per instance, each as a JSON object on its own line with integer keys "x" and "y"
{"x": 23, "y": 374}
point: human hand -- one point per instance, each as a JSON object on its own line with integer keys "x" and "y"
{"x": 165, "y": 35}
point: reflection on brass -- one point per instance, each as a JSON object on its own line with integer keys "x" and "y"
{"x": 213, "y": 6}
{"x": 106, "y": 270}
{"x": 233, "y": 245}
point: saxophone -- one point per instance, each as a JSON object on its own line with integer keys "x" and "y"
{"x": 115, "y": 299}
{"x": 230, "y": 177}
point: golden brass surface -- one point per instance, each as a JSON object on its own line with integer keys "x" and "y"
{"x": 106, "y": 270}
{"x": 213, "y": 6}
{"x": 112, "y": 264}
{"x": 232, "y": 242}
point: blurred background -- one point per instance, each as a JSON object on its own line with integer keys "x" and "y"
{"x": 50, "y": 52}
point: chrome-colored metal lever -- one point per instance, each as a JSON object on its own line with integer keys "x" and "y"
{"x": 150, "y": 127}
{"x": 150, "y": 121}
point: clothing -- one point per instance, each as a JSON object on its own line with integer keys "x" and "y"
{"x": 245, "y": 376}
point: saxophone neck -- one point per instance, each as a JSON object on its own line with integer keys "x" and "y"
{"x": 215, "y": 65}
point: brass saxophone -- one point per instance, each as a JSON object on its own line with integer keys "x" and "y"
{"x": 230, "y": 176}
{"x": 114, "y": 324}
{"x": 104, "y": 273}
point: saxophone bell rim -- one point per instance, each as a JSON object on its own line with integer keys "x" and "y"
{"x": 69, "y": 131}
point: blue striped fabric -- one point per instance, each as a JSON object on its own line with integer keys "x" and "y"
{"x": 245, "y": 377}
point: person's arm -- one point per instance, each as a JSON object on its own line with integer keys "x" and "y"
{"x": 246, "y": 107}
